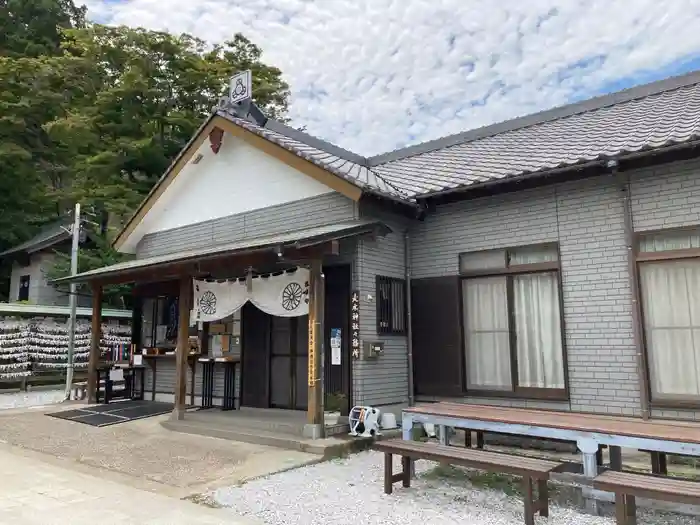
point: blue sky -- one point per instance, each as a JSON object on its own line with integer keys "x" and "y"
{"x": 374, "y": 75}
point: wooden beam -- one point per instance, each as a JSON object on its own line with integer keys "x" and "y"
{"x": 316, "y": 300}
{"x": 183, "y": 348}
{"x": 95, "y": 337}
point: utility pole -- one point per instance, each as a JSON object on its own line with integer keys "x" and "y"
{"x": 73, "y": 299}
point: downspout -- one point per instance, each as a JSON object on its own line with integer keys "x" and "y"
{"x": 409, "y": 315}
{"x": 634, "y": 290}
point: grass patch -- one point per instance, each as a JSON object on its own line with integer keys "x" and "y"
{"x": 510, "y": 485}
{"x": 203, "y": 499}
{"x": 686, "y": 461}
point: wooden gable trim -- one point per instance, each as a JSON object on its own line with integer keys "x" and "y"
{"x": 304, "y": 166}
{"x": 307, "y": 167}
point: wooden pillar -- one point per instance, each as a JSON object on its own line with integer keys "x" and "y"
{"x": 183, "y": 347}
{"x": 96, "y": 336}
{"x": 315, "y": 426}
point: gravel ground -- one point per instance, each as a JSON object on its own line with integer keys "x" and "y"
{"x": 350, "y": 491}
{"x": 30, "y": 399}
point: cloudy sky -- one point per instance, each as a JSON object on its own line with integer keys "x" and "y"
{"x": 374, "y": 75}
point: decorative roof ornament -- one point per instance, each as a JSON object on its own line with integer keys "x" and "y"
{"x": 239, "y": 99}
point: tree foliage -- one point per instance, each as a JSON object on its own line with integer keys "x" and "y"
{"x": 95, "y": 114}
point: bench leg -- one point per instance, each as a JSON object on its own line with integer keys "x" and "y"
{"x": 406, "y": 471}
{"x": 443, "y": 437}
{"x": 467, "y": 438}
{"x": 543, "y": 497}
{"x": 615, "y": 457}
{"x": 479, "y": 439}
{"x": 658, "y": 463}
{"x": 599, "y": 456}
{"x": 388, "y": 472}
{"x": 625, "y": 509}
{"x": 529, "y": 503}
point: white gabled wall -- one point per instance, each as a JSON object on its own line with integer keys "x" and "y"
{"x": 239, "y": 179}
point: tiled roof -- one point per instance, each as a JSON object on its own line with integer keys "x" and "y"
{"x": 338, "y": 161}
{"x": 49, "y": 236}
{"x": 642, "y": 118}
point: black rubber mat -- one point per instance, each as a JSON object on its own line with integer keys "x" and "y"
{"x": 114, "y": 413}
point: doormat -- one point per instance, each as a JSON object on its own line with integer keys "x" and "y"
{"x": 114, "y": 413}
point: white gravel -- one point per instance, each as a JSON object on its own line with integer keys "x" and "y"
{"x": 350, "y": 491}
{"x": 30, "y": 399}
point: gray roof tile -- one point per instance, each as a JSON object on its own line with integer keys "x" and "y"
{"x": 563, "y": 137}
{"x": 50, "y": 235}
{"x": 342, "y": 163}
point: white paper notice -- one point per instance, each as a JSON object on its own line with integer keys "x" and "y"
{"x": 216, "y": 348}
{"x": 137, "y": 360}
{"x": 117, "y": 374}
{"x": 336, "y": 345}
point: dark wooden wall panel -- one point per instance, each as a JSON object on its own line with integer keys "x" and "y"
{"x": 437, "y": 336}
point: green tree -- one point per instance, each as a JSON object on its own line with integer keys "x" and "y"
{"x": 136, "y": 98}
{"x": 32, "y": 28}
{"x": 149, "y": 92}
{"x": 95, "y": 114}
{"x": 30, "y": 34}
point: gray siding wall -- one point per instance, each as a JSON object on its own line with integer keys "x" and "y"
{"x": 307, "y": 213}
{"x": 383, "y": 380}
{"x": 40, "y": 291}
{"x": 586, "y": 219}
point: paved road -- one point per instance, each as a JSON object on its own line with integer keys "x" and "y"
{"x": 37, "y": 491}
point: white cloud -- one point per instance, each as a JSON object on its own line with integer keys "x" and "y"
{"x": 394, "y": 72}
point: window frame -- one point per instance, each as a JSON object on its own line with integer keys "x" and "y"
{"x": 155, "y": 310}
{"x": 510, "y": 271}
{"x": 22, "y": 279}
{"x": 391, "y": 329}
{"x": 660, "y": 257}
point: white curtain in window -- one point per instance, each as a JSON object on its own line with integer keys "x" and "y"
{"x": 666, "y": 241}
{"x": 486, "y": 333}
{"x": 538, "y": 331}
{"x": 671, "y": 299}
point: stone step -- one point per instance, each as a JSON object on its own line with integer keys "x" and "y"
{"x": 277, "y": 423}
{"x": 327, "y": 448}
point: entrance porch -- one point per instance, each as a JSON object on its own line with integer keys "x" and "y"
{"x": 281, "y": 366}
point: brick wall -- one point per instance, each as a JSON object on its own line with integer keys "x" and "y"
{"x": 586, "y": 219}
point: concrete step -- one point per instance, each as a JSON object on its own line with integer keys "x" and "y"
{"x": 327, "y": 448}
{"x": 277, "y": 423}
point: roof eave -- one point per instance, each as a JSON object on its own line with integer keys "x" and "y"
{"x": 581, "y": 166}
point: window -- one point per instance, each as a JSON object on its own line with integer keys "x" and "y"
{"x": 391, "y": 305}
{"x": 511, "y": 306}
{"x": 159, "y": 322}
{"x": 23, "y": 294}
{"x": 669, "y": 278}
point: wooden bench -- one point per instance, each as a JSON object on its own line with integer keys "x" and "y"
{"x": 531, "y": 469}
{"x": 627, "y": 486}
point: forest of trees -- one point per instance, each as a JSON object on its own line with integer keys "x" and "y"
{"x": 95, "y": 114}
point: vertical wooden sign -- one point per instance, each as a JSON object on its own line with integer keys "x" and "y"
{"x": 312, "y": 353}
{"x": 355, "y": 324}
